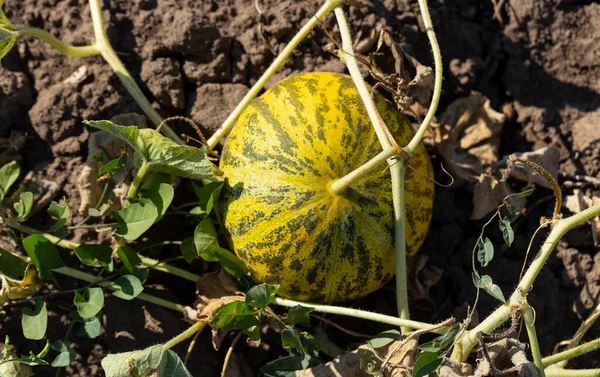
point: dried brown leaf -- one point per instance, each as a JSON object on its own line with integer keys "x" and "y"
{"x": 489, "y": 193}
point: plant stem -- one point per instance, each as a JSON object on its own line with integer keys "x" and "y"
{"x": 198, "y": 326}
{"x": 397, "y": 171}
{"x": 437, "y": 87}
{"x": 339, "y": 186}
{"x": 68, "y": 271}
{"x": 68, "y": 50}
{"x": 560, "y": 372}
{"x": 137, "y": 181}
{"x": 109, "y": 54}
{"x": 571, "y": 353}
{"x": 583, "y": 329}
{"x": 279, "y": 60}
{"x": 356, "y": 313}
{"x": 164, "y": 267}
{"x": 469, "y": 339}
{"x": 347, "y": 57}
{"x": 533, "y": 340}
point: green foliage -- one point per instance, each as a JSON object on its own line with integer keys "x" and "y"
{"x": 526, "y": 193}
{"x": 8, "y": 173}
{"x": 368, "y": 364}
{"x": 160, "y": 196}
{"x": 111, "y": 166}
{"x": 299, "y": 315}
{"x": 485, "y": 252}
{"x": 62, "y": 215}
{"x": 162, "y": 154}
{"x": 128, "y": 287}
{"x": 66, "y": 354}
{"x": 11, "y": 265}
{"x": 35, "y": 322}
{"x": 384, "y": 338}
{"x": 237, "y": 315}
{"x": 23, "y": 206}
{"x": 131, "y": 261}
{"x": 94, "y": 255}
{"x": 488, "y": 285}
{"x": 207, "y": 197}
{"x": 286, "y": 366}
{"x": 44, "y": 255}
{"x": 428, "y": 362}
{"x": 507, "y": 232}
{"x": 90, "y": 327}
{"x": 151, "y": 362}
{"x": 135, "y": 220}
{"x": 261, "y": 295}
{"x": 90, "y": 304}
{"x": 7, "y": 39}
{"x": 188, "y": 249}
{"x": 442, "y": 341}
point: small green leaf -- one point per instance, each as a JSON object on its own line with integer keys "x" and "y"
{"x": 161, "y": 196}
{"x": 8, "y": 176}
{"x": 507, "y": 231}
{"x": 488, "y": 285}
{"x": 135, "y": 220}
{"x": 44, "y": 351}
{"x": 207, "y": 195}
{"x": 90, "y": 327}
{"x": 11, "y": 265}
{"x": 188, "y": 249}
{"x": 485, "y": 252}
{"x": 299, "y": 315}
{"x": 286, "y": 366}
{"x": 512, "y": 211}
{"x": 44, "y": 255}
{"x": 290, "y": 339}
{"x": 66, "y": 354}
{"x": 111, "y": 166}
{"x": 7, "y": 41}
{"x": 94, "y": 254}
{"x": 23, "y": 206}
{"x": 129, "y": 287}
{"x": 261, "y": 295}
{"x": 131, "y": 261}
{"x": 60, "y": 212}
{"x": 442, "y": 341}
{"x": 235, "y": 316}
{"x": 35, "y": 322}
{"x": 99, "y": 212}
{"x": 163, "y": 154}
{"x": 232, "y": 264}
{"x": 155, "y": 361}
{"x": 384, "y": 338}
{"x": 526, "y": 192}
{"x": 205, "y": 237}
{"x": 428, "y": 362}
{"x": 88, "y": 308}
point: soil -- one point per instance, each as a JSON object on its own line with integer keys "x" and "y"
{"x": 538, "y": 63}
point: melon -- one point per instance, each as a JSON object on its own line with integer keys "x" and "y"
{"x": 281, "y": 218}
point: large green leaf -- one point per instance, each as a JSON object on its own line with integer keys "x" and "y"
{"x": 43, "y": 254}
{"x": 129, "y": 287}
{"x": 135, "y": 219}
{"x": 93, "y": 254}
{"x": 156, "y": 361}
{"x": 163, "y": 154}
{"x": 90, "y": 304}
{"x": 11, "y": 265}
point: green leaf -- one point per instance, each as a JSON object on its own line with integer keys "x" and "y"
{"x": 488, "y": 285}
{"x": 88, "y": 308}
{"x": 235, "y": 316}
{"x": 156, "y": 361}
{"x": 442, "y": 341}
{"x": 135, "y": 220}
{"x": 512, "y": 211}
{"x": 526, "y": 192}
{"x": 384, "y": 338}
{"x": 161, "y": 196}
{"x": 286, "y": 366}
{"x": 66, "y": 354}
{"x": 485, "y": 252}
{"x": 507, "y": 231}
{"x": 44, "y": 255}
{"x": 8, "y": 176}
{"x": 23, "y": 206}
{"x": 7, "y": 41}
{"x": 35, "y": 321}
{"x": 301, "y": 343}
{"x": 131, "y": 261}
{"x": 129, "y": 287}
{"x": 44, "y": 351}
{"x": 261, "y": 295}
{"x": 99, "y": 212}
{"x": 15, "y": 368}
{"x": 94, "y": 254}
{"x": 188, "y": 249}
{"x": 205, "y": 237}
{"x": 111, "y": 166}
{"x": 90, "y": 327}
{"x": 428, "y": 362}
{"x": 299, "y": 315}
{"x": 163, "y": 154}
{"x": 207, "y": 196}
{"x": 11, "y": 265}
{"x": 232, "y": 264}
{"x": 291, "y": 340}
{"x": 60, "y": 212}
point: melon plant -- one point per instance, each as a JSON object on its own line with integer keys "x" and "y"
{"x": 281, "y": 217}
